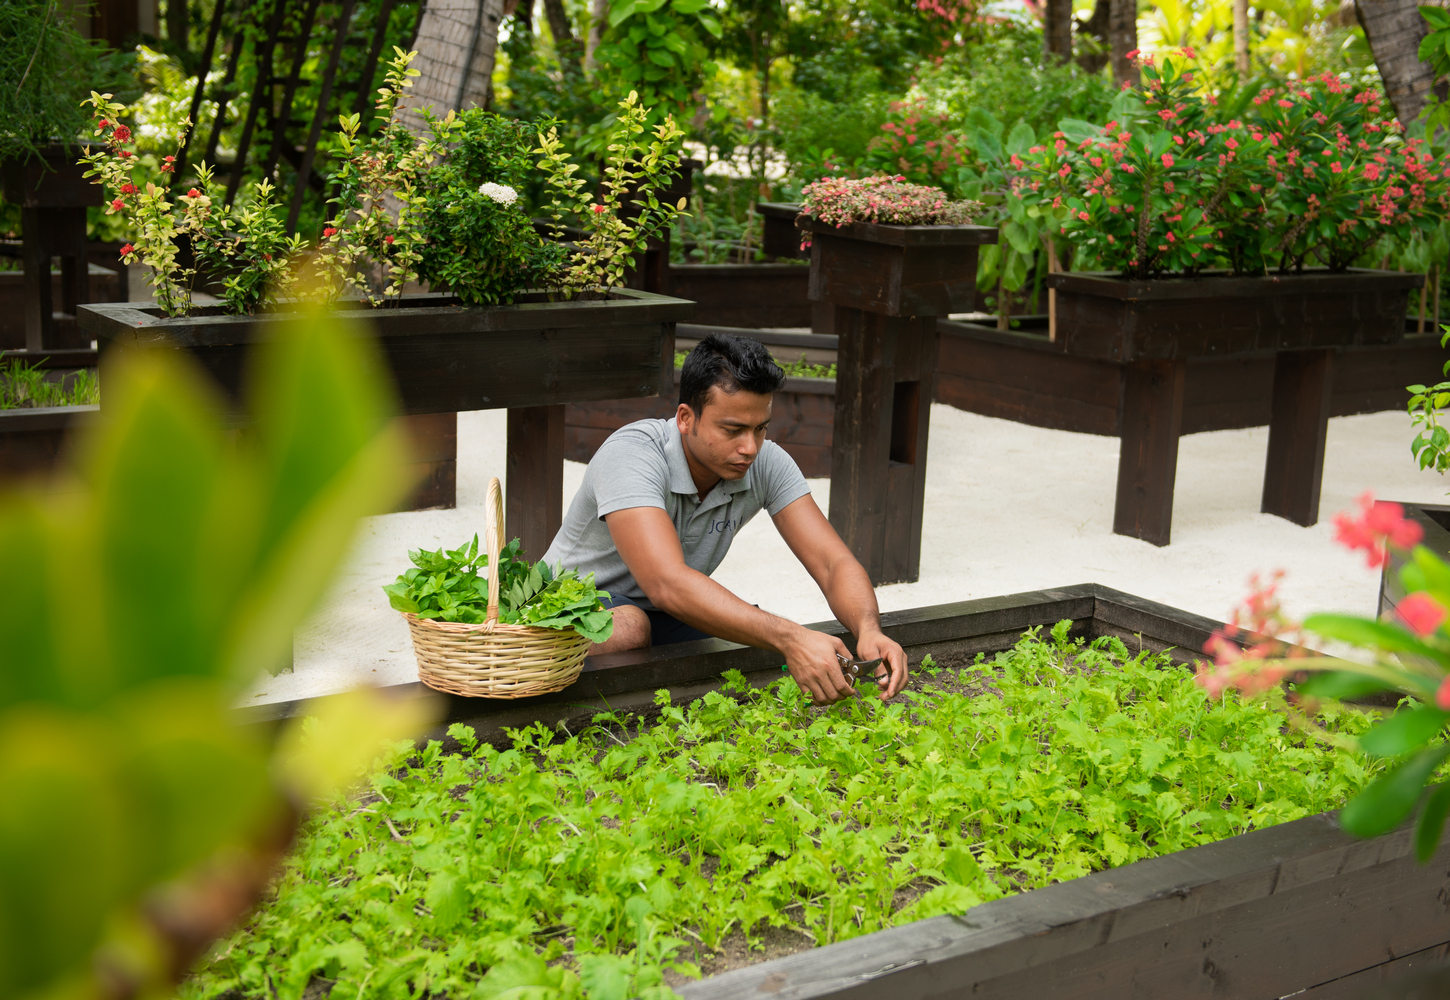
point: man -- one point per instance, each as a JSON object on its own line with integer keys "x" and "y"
{"x": 662, "y": 500}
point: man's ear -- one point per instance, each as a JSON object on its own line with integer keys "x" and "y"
{"x": 684, "y": 418}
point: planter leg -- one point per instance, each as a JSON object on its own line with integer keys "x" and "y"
{"x": 434, "y": 439}
{"x": 1298, "y": 426}
{"x": 878, "y": 452}
{"x": 534, "y": 506}
{"x": 1148, "y": 455}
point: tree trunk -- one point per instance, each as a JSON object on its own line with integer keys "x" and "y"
{"x": 1122, "y": 39}
{"x": 565, "y": 44}
{"x": 456, "y": 44}
{"x": 598, "y": 21}
{"x": 1114, "y": 23}
{"x": 1057, "y": 29}
{"x": 1241, "y": 37}
{"x": 1096, "y": 27}
{"x": 1394, "y": 29}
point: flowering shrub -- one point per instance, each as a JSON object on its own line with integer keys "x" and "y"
{"x": 438, "y": 205}
{"x": 840, "y": 201}
{"x": 1312, "y": 173}
{"x": 1260, "y": 648}
{"x": 916, "y": 144}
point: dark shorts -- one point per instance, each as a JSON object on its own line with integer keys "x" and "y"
{"x": 663, "y": 628}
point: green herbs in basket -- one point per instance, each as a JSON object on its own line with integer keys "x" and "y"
{"x": 446, "y": 586}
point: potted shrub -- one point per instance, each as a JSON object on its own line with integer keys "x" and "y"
{"x": 514, "y": 320}
{"x": 41, "y": 403}
{"x": 1225, "y": 232}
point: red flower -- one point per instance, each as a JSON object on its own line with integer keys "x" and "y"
{"x": 127, "y": 249}
{"x": 1381, "y": 524}
{"x": 122, "y": 134}
{"x": 102, "y": 123}
{"x": 117, "y": 205}
{"x": 597, "y": 209}
{"x": 193, "y": 193}
{"x": 168, "y": 159}
{"x": 329, "y": 232}
{"x": 1442, "y": 696}
{"x": 388, "y": 239}
{"x": 123, "y": 153}
{"x": 1421, "y": 612}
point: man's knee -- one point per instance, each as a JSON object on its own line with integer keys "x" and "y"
{"x": 631, "y": 630}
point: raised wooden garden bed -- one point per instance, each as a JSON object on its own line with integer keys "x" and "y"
{"x": 530, "y": 358}
{"x": 1149, "y": 332}
{"x": 745, "y": 295}
{"x": 1020, "y": 375}
{"x": 800, "y": 418}
{"x": 1298, "y": 909}
{"x": 1434, "y": 521}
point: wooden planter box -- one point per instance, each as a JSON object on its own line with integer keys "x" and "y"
{"x": 800, "y": 417}
{"x": 1434, "y": 521}
{"x": 745, "y": 295}
{"x": 1020, "y": 375}
{"x": 52, "y": 191}
{"x": 32, "y": 441}
{"x": 1154, "y": 328}
{"x": 1296, "y": 909}
{"x": 1116, "y": 319}
{"x": 895, "y": 270}
{"x": 531, "y": 358}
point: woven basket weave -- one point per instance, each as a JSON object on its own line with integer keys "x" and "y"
{"x": 493, "y": 660}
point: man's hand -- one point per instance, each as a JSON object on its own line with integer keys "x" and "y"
{"x": 811, "y": 659}
{"x": 893, "y": 667}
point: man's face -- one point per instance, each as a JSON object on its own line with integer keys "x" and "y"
{"x": 723, "y": 439}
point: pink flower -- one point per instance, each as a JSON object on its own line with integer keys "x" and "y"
{"x": 1421, "y": 612}
{"x": 1167, "y": 159}
{"x": 1380, "y": 524}
{"x": 1442, "y": 695}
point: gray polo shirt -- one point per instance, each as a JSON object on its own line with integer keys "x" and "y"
{"x": 643, "y": 465}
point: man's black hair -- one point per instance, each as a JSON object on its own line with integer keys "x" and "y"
{"x": 732, "y": 363}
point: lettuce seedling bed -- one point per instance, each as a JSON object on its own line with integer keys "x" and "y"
{"x": 1295, "y": 907}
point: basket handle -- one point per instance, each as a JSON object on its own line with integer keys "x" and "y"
{"x": 491, "y": 534}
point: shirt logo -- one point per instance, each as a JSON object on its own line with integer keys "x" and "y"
{"x": 720, "y": 527}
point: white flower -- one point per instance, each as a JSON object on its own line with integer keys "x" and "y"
{"x": 501, "y": 193}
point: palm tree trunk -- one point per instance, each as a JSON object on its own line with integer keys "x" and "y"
{"x": 1057, "y": 30}
{"x": 1394, "y": 29}
{"x": 456, "y": 44}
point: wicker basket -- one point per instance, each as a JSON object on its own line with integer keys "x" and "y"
{"x": 494, "y": 660}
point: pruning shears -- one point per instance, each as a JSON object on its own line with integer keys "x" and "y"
{"x": 856, "y": 670}
{"x": 860, "y": 670}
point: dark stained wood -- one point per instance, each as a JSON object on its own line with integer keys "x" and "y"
{"x": 745, "y": 295}
{"x": 445, "y": 358}
{"x": 861, "y": 442}
{"x": 779, "y": 236}
{"x": 1103, "y": 316}
{"x": 1148, "y": 455}
{"x": 433, "y": 460}
{"x": 53, "y": 194}
{"x": 1422, "y": 975}
{"x": 895, "y": 270}
{"x": 33, "y": 441}
{"x": 1294, "y": 469}
{"x": 533, "y": 506}
{"x": 886, "y": 285}
{"x": 1019, "y": 375}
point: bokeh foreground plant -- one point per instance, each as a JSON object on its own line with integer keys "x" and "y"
{"x": 1409, "y": 656}
{"x": 166, "y": 571}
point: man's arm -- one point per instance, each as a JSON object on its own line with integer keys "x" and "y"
{"x": 843, "y": 581}
{"x": 646, "y": 540}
